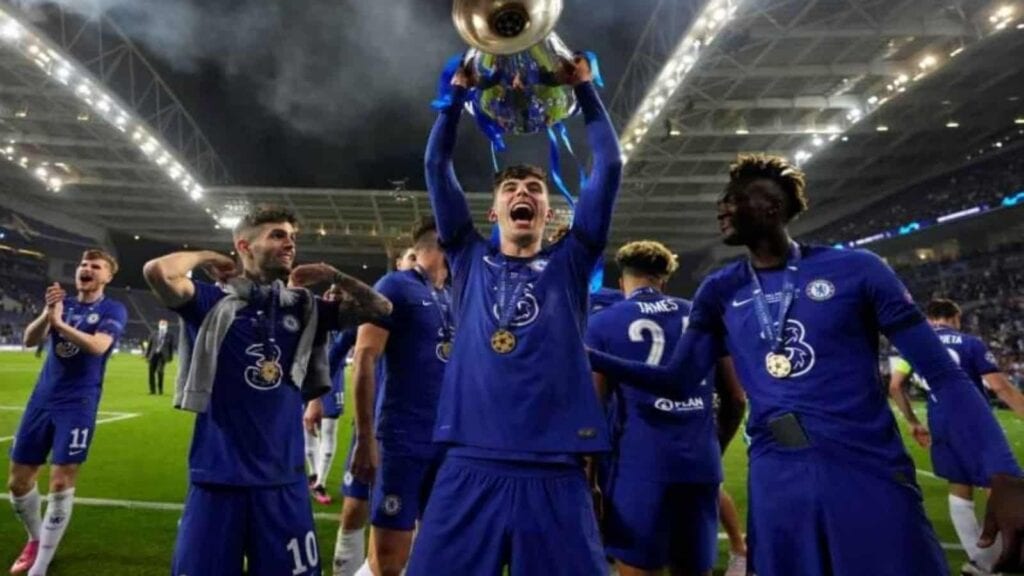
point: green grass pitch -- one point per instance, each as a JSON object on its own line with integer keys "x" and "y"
{"x": 140, "y": 455}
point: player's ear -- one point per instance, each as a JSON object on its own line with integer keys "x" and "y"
{"x": 242, "y": 245}
{"x": 549, "y": 215}
{"x": 492, "y": 216}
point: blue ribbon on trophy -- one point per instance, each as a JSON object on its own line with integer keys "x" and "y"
{"x": 516, "y": 56}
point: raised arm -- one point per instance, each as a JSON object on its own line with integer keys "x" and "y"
{"x": 352, "y": 302}
{"x": 358, "y": 302}
{"x": 168, "y": 277}
{"x": 593, "y": 217}
{"x": 451, "y": 210}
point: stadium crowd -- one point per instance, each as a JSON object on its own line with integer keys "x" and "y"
{"x": 985, "y": 183}
{"x": 989, "y": 285}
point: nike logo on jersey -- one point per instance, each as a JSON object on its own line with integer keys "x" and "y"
{"x": 75, "y": 452}
{"x": 427, "y": 302}
{"x": 738, "y": 303}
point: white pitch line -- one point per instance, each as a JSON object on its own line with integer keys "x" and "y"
{"x": 176, "y": 507}
{"x": 111, "y": 417}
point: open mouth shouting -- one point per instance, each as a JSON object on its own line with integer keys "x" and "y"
{"x": 522, "y": 214}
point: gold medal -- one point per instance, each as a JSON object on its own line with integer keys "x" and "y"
{"x": 778, "y": 365}
{"x": 269, "y": 371}
{"x": 503, "y": 341}
{"x": 445, "y": 349}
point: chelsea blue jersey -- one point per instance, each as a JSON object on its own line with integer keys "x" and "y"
{"x": 341, "y": 344}
{"x": 538, "y": 398}
{"x": 413, "y": 364}
{"x": 970, "y": 353}
{"x": 843, "y": 299}
{"x": 656, "y": 438}
{"x": 251, "y": 433}
{"x": 71, "y": 377}
{"x": 534, "y": 401}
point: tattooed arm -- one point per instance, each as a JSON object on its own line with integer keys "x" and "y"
{"x": 350, "y": 301}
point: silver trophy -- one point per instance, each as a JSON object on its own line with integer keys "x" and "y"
{"x": 516, "y": 57}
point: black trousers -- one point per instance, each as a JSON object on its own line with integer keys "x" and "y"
{"x": 156, "y": 374}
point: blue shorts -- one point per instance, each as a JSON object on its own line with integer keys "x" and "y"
{"x": 271, "y": 527}
{"x": 651, "y": 525}
{"x": 488, "y": 514}
{"x": 945, "y": 463}
{"x": 68, "y": 432}
{"x": 811, "y": 515}
{"x": 334, "y": 404}
{"x": 352, "y": 487}
{"x": 404, "y": 481}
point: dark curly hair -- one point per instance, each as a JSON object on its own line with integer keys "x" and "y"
{"x": 264, "y": 214}
{"x": 789, "y": 178}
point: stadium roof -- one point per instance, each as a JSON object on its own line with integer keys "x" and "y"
{"x": 865, "y": 95}
{"x": 88, "y": 128}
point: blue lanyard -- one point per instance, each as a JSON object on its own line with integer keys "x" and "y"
{"x": 506, "y": 304}
{"x": 268, "y": 319}
{"x": 761, "y": 311}
{"x": 443, "y": 301}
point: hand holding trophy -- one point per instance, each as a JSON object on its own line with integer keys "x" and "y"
{"x": 521, "y": 73}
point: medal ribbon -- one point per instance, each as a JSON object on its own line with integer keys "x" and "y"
{"x": 506, "y": 305}
{"x": 443, "y": 301}
{"x": 761, "y": 310}
{"x": 268, "y": 319}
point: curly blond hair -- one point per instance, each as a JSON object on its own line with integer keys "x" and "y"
{"x": 647, "y": 258}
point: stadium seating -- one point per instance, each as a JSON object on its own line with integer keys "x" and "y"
{"x": 989, "y": 286}
{"x": 23, "y": 281}
{"x": 984, "y": 183}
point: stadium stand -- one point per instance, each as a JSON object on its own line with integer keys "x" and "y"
{"x": 989, "y": 286}
{"x": 23, "y": 281}
{"x": 985, "y": 183}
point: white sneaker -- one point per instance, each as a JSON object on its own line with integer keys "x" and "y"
{"x": 737, "y": 565}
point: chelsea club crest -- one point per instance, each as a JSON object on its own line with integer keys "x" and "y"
{"x": 820, "y": 290}
{"x": 92, "y": 318}
{"x": 290, "y": 323}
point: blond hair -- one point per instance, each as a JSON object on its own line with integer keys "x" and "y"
{"x": 647, "y": 258}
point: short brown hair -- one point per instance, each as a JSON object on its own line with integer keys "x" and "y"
{"x": 941, "y": 309}
{"x": 519, "y": 172}
{"x": 789, "y": 178}
{"x": 647, "y": 258}
{"x": 264, "y": 214}
{"x": 97, "y": 254}
{"x": 422, "y": 228}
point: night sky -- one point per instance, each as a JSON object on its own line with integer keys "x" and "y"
{"x": 310, "y": 93}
